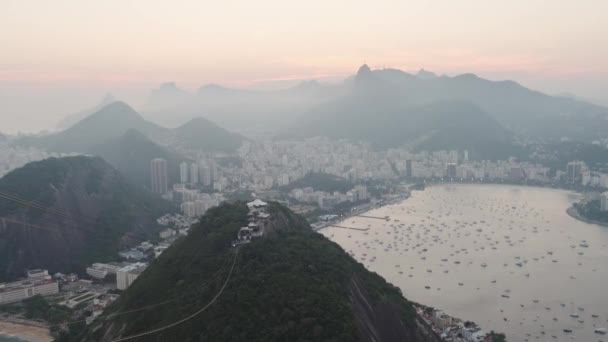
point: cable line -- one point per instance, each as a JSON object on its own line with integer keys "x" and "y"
{"x": 150, "y": 332}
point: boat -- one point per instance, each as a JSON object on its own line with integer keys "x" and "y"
{"x": 574, "y": 315}
{"x": 567, "y": 330}
{"x": 601, "y": 331}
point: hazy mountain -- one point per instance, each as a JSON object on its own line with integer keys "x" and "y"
{"x": 425, "y": 74}
{"x": 167, "y": 95}
{"x": 131, "y": 155}
{"x": 200, "y": 133}
{"x": 376, "y": 111}
{"x": 523, "y": 111}
{"x": 114, "y": 120}
{"x": 101, "y": 212}
{"x": 110, "y": 122}
{"x": 292, "y": 285}
{"x": 520, "y": 109}
{"x": 71, "y": 119}
{"x": 250, "y": 111}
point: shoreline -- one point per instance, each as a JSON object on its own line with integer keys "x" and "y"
{"x": 572, "y": 212}
{"x": 25, "y": 332}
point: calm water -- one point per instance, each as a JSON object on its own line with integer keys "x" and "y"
{"x": 509, "y": 258}
{"x": 5, "y": 338}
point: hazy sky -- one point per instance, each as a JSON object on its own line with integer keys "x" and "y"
{"x": 59, "y": 56}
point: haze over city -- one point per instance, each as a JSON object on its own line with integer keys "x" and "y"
{"x": 420, "y": 171}
{"x": 62, "y": 56}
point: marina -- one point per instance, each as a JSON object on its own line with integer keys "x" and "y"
{"x": 506, "y": 257}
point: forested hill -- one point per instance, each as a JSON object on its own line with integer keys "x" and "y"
{"x": 90, "y": 213}
{"x": 291, "y": 285}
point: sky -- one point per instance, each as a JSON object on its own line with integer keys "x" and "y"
{"x": 60, "y": 56}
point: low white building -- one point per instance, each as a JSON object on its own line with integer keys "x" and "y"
{"x": 39, "y": 284}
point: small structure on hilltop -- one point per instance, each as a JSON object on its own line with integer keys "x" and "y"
{"x": 258, "y": 218}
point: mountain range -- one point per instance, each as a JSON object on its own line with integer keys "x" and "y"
{"x": 124, "y": 138}
{"x": 90, "y": 212}
{"x": 291, "y": 285}
{"x": 376, "y": 111}
{"x": 114, "y": 120}
{"x": 71, "y": 119}
{"x": 523, "y": 112}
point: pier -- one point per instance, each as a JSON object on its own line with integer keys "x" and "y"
{"x": 386, "y": 218}
{"x": 351, "y": 228}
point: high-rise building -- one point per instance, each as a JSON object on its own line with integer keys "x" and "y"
{"x": 451, "y": 170}
{"x": 206, "y": 175}
{"x": 574, "y": 171}
{"x": 127, "y": 275}
{"x": 361, "y": 191}
{"x": 183, "y": 172}
{"x": 194, "y": 173}
{"x": 158, "y": 175}
{"x": 604, "y": 201}
{"x": 408, "y": 168}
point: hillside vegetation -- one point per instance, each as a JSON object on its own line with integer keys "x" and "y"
{"x": 291, "y": 285}
{"x": 99, "y": 213}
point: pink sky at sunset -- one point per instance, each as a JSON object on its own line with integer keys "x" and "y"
{"x": 52, "y": 49}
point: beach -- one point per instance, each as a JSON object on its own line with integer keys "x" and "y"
{"x": 25, "y": 332}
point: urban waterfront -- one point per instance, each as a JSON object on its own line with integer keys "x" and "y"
{"x": 506, "y": 257}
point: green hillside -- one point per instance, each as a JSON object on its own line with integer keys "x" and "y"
{"x": 291, "y": 285}
{"x": 100, "y": 213}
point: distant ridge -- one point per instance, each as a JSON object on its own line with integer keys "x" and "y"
{"x": 71, "y": 119}
{"x": 114, "y": 120}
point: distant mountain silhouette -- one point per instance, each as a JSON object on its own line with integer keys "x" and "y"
{"x": 525, "y": 112}
{"x": 131, "y": 155}
{"x": 200, "y": 133}
{"x": 377, "y": 111}
{"x": 425, "y": 75}
{"x": 111, "y": 122}
{"x": 71, "y": 119}
{"x": 114, "y": 120}
{"x": 101, "y": 212}
{"x": 240, "y": 109}
{"x": 168, "y": 94}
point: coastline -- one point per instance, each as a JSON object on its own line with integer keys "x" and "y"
{"x": 572, "y": 212}
{"x": 25, "y": 332}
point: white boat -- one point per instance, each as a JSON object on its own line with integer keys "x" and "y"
{"x": 574, "y": 315}
{"x": 601, "y": 331}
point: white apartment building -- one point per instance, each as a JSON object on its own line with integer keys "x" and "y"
{"x": 127, "y": 275}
